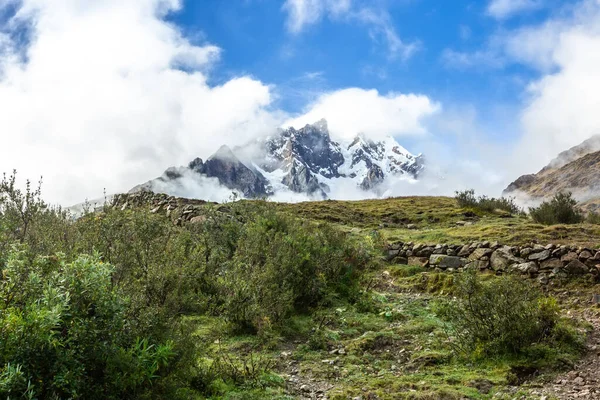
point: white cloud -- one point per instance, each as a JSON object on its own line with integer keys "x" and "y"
{"x": 353, "y": 111}
{"x": 109, "y": 94}
{"x": 505, "y": 8}
{"x": 303, "y": 13}
{"x": 563, "y": 104}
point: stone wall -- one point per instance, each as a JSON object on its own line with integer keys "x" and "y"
{"x": 534, "y": 260}
{"x": 179, "y": 209}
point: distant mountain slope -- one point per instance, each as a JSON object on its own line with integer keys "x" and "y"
{"x": 576, "y": 170}
{"x": 302, "y": 160}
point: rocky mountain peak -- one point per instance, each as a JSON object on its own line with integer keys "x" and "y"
{"x": 305, "y": 160}
{"x": 225, "y": 154}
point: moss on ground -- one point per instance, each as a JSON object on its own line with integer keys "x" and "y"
{"x": 387, "y": 345}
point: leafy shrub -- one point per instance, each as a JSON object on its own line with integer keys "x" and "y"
{"x": 105, "y": 314}
{"x": 283, "y": 265}
{"x": 64, "y": 333}
{"x": 560, "y": 210}
{"x": 467, "y": 199}
{"x": 503, "y": 316}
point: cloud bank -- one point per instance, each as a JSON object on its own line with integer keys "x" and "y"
{"x": 562, "y": 106}
{"x": 108, "y": 94}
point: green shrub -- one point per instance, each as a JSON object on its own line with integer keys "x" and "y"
{"x": 593, "y": 218}
{"x": 283, "y": 265}
{"x": 65, "y": 333}
{"x": 502, "y": 316}
{"x": 560, "y": 210}
{"x": 467, "y": 199}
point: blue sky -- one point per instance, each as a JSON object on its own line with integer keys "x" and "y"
{"x": 338, "y": 52}
{"x": 107, "y": 94}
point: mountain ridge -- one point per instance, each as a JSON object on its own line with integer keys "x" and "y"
{"x": 576, "y": 170}
{"x": 305, "y": 160}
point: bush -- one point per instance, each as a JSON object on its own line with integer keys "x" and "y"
{"x": 503, "y": 316}
{"x": 282, "y": 265}
{"x": 560, "y": 210}
{"x": 65, "y": 333}
{"x": 593, "y": 218}
{"x": 467, "y": 199}
{"x": 105, "y": 314}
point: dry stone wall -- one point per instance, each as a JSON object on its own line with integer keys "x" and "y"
{"x": 534, "y": 260}
{"x": 179, "y": 209}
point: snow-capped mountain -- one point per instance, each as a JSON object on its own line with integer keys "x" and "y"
{"x": 302, "y": 160}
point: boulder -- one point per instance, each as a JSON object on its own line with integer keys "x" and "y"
{"x": 541, "y": 256}
{"x": 392, "y": 254}
{"x": 478, "y": 265}
{"x": 401, "y": 260}
{"x": 424, "y": 252}
{"x": 551, "y": 264}
{"x": 570, "y": 256}
{"x": 530, "y": 268}
{"x": 443, "y": 261}
{"x": 464, "y": 251}
{"x": 585, "y": 254}
{"x": 503, "y": 258}
{"x": 526, "y": 252}
{"x": 576, "y": 267}
{"x": 480, "y": 253}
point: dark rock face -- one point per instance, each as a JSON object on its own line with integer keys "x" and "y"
{"x": 224, "y": 166}
{"x": 302, "y": 160}
{"x": 310, "y": 146}
{"x": 230, "y": 171}
{"x": 300, "y": 180}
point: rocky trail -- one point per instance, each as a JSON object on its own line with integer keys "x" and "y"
{"x": 583, "y": 380}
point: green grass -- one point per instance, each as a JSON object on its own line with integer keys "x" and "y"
{"x": 435, "y": 221}
{"x": 394, "y": 347}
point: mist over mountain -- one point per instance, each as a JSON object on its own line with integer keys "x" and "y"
{"x": 305, "y": 161}
{"x": 575, "y": 170}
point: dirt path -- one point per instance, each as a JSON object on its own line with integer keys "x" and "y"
{"x": 583, "y": 381}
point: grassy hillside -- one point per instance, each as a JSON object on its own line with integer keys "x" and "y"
{"x": 156, "y": 297}
{"x": 440, "y": 220}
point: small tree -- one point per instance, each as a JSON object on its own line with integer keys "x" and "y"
{"x": 501, "y": 317}
{"x": 562, "y": 209}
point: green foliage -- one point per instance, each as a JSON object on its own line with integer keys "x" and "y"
{"x": 64, "y": 333}
{"x": 593, "y": 218}
{"x": 560, "y": 210}
{"x": 503, "y": 316}
{"x": 282, "y": 265}
{"x": 467, "y": 199}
